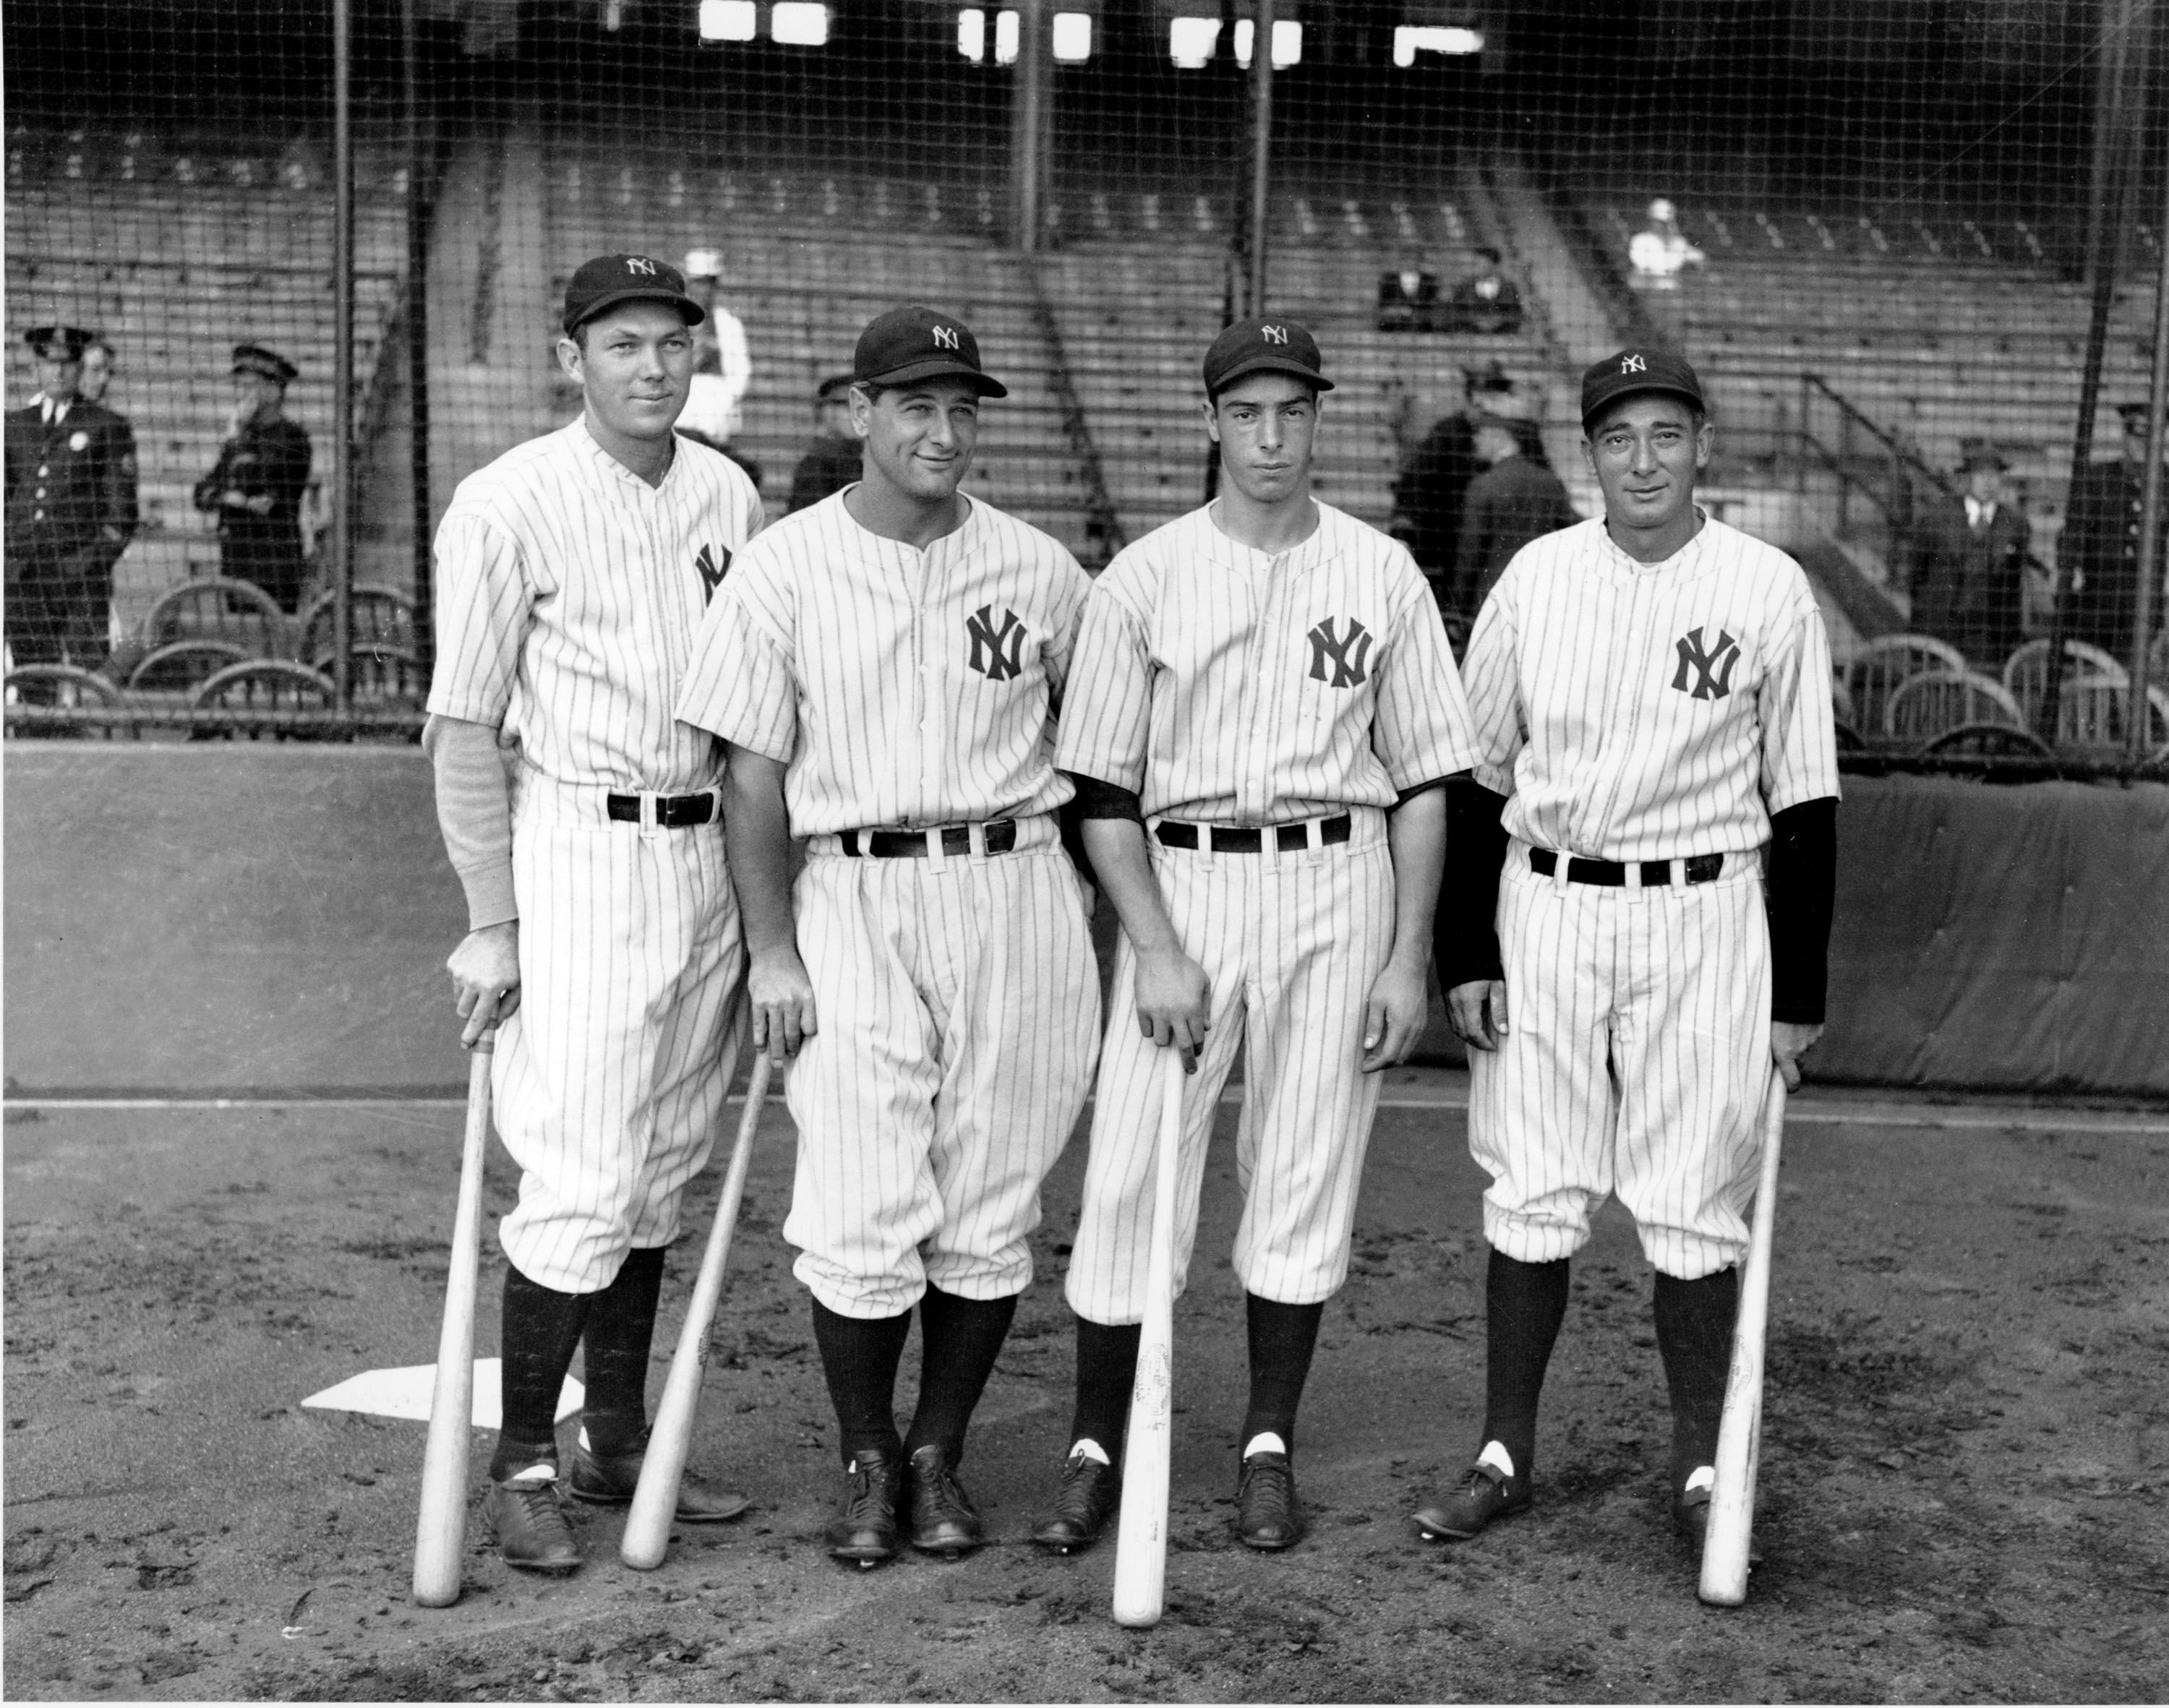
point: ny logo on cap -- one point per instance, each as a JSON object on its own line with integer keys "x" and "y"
{"x": 634, "y": 264}
{"x": 1633, "y": 365}
{"x": 1273, "y": 334}
{"x": 944, "y": 337}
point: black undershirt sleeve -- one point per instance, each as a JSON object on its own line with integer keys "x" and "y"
{"x": 1801, "y": 889}
{"x": 1094, "y": 799}
{"x": 1465, "y": 940}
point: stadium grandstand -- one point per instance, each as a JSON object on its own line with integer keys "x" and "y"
{"x": 1907, "y": 243}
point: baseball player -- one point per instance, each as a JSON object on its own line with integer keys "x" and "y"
{"x": 1262, "y": 707}
{"x": 581, "y": 819}
{"x": 885, "y": 667}
{"x": 1652, "y": 691}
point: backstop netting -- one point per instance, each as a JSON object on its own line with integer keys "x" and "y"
{"x": 1914, "y": 248}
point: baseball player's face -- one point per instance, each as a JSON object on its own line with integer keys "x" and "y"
{"x": 920, "y": 438}
{"x": 97, "y": 373}
{"x": 1265, "y": 425}
{"x": 58, "y": 380}
{"x": 635, "y": 369}
{"x": 1645, "y": 454}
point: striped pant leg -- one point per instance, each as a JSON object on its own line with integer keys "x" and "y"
{"x": 698, "y": 1027}
{"x": 606, "y": 923}
{"x": 1694, "y": 1049}
{"x": 1323, "y": 925}
{"x": 1016, "y": 1001}
{"x": 861, "y": 1092}
{"x": 1541, "y": 1110}
{"x": 1205, "y": 900}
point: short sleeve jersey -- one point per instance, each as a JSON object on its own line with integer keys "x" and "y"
{"x": 1651, "y": 711}
{"x": 1233, "y": 686}
{"x": 898, "y": 687}
{"x": 569, "y": 594}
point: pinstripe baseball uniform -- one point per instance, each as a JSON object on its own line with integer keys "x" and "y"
{"x": 569, "y": 594}
{"x": 908, "y": 690}
{"x": 1639, "y": 713}
{"x": 1229, "y": 687}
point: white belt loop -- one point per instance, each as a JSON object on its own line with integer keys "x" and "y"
{"x": 1559, "y": 863}
{"x": 647, "y": 798}
{"x": 1313, "y": 834}
{"x": 1633, "y": 869}
{"x": 936, "y": 855}
{"x": 1205, "y": 838}
{"x": 1269, "y": 844}
{"x": 975, "y": 833}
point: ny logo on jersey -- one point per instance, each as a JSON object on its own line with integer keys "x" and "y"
{"x": 1711, "y": 665}
{"x": 1273, "y": 334}
{"x": 944, "y": 337}
{"x": 1350, "y": 653}
{"x": 711, "y": 572}
{"x": 1633, "y": 364}
{"x": 997, "y": 648}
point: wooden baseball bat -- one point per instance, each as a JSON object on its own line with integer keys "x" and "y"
{"x": 440, "y": 1529}
{"x": 1725, "y": 1543}
{"x": 655, "y": 1498}
{"x": 1141, "y": 1548}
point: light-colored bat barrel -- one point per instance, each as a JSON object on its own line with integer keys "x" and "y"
{"x": 669, "y": 1442}
{"x": 1726, "y": 1543}
{"x": 1141, "y": 1548}
{"x": 440, "y": 1527}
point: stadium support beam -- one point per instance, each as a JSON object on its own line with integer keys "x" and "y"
{"x": 2149, "y": 577}
{"x": 421, "y": 167}
{"x": 342, "y": 351}
{"x": 1261, "y": 147}
{"x": 1030, "y": 112}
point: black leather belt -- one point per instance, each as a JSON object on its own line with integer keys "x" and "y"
{"x": 672, "y": 811}
{"x": 1251, "y": 838}
{"x": 1655, "y": 874}
{"x": 911, "y": 844}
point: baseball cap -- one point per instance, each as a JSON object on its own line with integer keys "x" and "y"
{"x": 917, "y": 343}
{"x": 1261, "y": 346}
{"x": 1649, "y": 367}
{"x": 609, "y": 279}
{"x": 255, "y": 359}
{"x": 58, "y": 344}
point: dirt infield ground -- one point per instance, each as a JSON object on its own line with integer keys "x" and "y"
{"x": 1964, "y": 1472}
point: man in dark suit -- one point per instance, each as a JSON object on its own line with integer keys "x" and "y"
{"x": 832, "y": 461}
{"x": 1408, "y": 300}
{"x": 1487, "y": 301}
{"x": 71, "y": 510}
{"x": 1511, "y": 503}
{"x": 1437, "y": 468}
{"x": 1972, "y": 590}
{"x": 2100, "y": 547}
{"x": 255, "y": 487}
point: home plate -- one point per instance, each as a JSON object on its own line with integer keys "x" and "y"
{"x": 406, "y": 1393}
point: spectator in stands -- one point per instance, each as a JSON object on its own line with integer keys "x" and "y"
{"x": 1408, "y": 300}
{"x": 1973, "y": 589}
{"x": 723, "y": 366}
{"x": 255, "y": 488}
{"x": 1487, "y": 301}
{"x": 831, "y": 462}
{"x": 71, "y": 510}
{"x": 2100, "y": 546}
{"x": 1655, "y": 259}
{"x": 97, "y": 364}
{"x": 1437, "y": 468}
{"x": 1514, "y": 501}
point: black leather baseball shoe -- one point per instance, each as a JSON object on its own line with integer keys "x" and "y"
{"x": 865, "y": 1529}
{"x": 1086, "y": 1500}
{"x": 529, "y": 1524}
{"x": 1485, "y": 1493}
{"x": 1267, "y": 1513}
{"x": 612, "y": 1481}
{"x": 943, "y": 1520}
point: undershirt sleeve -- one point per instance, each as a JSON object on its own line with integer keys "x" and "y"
{"x": 1097, "y": 798}
{"x": 1801, "y": 890}
{"x": 474, "y": 813}
{"x": 1465, "y": 941}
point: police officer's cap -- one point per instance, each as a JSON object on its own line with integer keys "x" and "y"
{"x": 2134, "y": 416}
{"x": 59, "y": 344}
{"x": 268, "y": 364}
{"x": 834, "y": 386}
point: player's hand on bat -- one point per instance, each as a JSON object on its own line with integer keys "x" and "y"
{"x": 1175, "y": 1000}
{"x": 1477, "y": 1011}
{"x": 1393, "y": 1018}
{"x": 485, "y": 969}
{"x": 1788, "y": 1042}
{"x": 782, "y": 999}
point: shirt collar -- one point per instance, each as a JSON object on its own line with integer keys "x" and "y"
{"x": 1690, "y": 560}
{"x": 1323, "y": 543}
{"x": 585, "y": 436}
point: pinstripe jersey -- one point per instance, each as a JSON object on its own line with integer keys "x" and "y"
{"x": 901, "y": 687}
{"x": 568, "y": 591}
{"x": 1234, "y": 686}
{"x": 1651, "y": 711}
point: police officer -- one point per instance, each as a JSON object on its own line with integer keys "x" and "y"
{"x": 2100, "y": 546}
{"x": 70, "y": 509}
{"x": 831, "y": 462}
{"x": 255, "y": 487}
